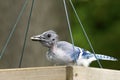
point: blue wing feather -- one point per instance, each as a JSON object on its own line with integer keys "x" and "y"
{"x": 87, "y": 54}
{"x": 74, "y": 52}
{"x": 69, "y": 49}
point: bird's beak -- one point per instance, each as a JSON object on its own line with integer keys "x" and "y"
{"x": 36, "y": 38}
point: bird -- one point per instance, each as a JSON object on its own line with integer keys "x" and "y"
{"x": 65, "y": 53}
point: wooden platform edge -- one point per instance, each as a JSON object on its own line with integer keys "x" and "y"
{"x": 85, "y": 73}
{"x": 35, "y": 73}
{"x": 59, "y": 73}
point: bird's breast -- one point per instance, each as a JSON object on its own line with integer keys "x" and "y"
{"x": 59, "y": 56}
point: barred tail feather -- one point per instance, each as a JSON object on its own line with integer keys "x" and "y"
{"x": 104, "y": 57}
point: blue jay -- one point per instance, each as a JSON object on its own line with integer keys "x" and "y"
{"x": 62, "y": 52}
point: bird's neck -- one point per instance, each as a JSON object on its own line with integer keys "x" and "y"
{"x": 53, "y": 47}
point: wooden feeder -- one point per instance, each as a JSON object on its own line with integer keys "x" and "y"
{"x": 59, "y": 73}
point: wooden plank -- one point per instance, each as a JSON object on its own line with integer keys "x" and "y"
{"x": 82, "y": 73}
{"x": 59, "y": 73}
{"x": 42, "y": 73}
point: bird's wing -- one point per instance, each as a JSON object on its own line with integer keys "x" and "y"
{"x": 87, "y": 54}
{"x": 68, "y": 48}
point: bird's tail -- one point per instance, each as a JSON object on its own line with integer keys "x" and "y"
{"x": 104, "y": 57}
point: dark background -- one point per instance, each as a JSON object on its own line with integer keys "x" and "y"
{"x": 100, "y": 18}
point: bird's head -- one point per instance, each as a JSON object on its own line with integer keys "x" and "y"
{"x": 48, "y": 38}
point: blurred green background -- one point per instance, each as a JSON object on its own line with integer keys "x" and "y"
{"x": 100, "y": 18}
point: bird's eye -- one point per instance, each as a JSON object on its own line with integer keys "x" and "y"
{"x": 49, "y": 35}
{"x": 53, "y": 39}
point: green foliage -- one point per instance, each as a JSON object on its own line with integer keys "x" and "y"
{"x": 101, "y": 20}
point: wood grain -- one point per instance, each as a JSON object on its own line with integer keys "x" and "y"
{"x": 59, "y": 73}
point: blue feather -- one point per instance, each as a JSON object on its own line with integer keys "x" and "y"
{"x": 87, "y": 55}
